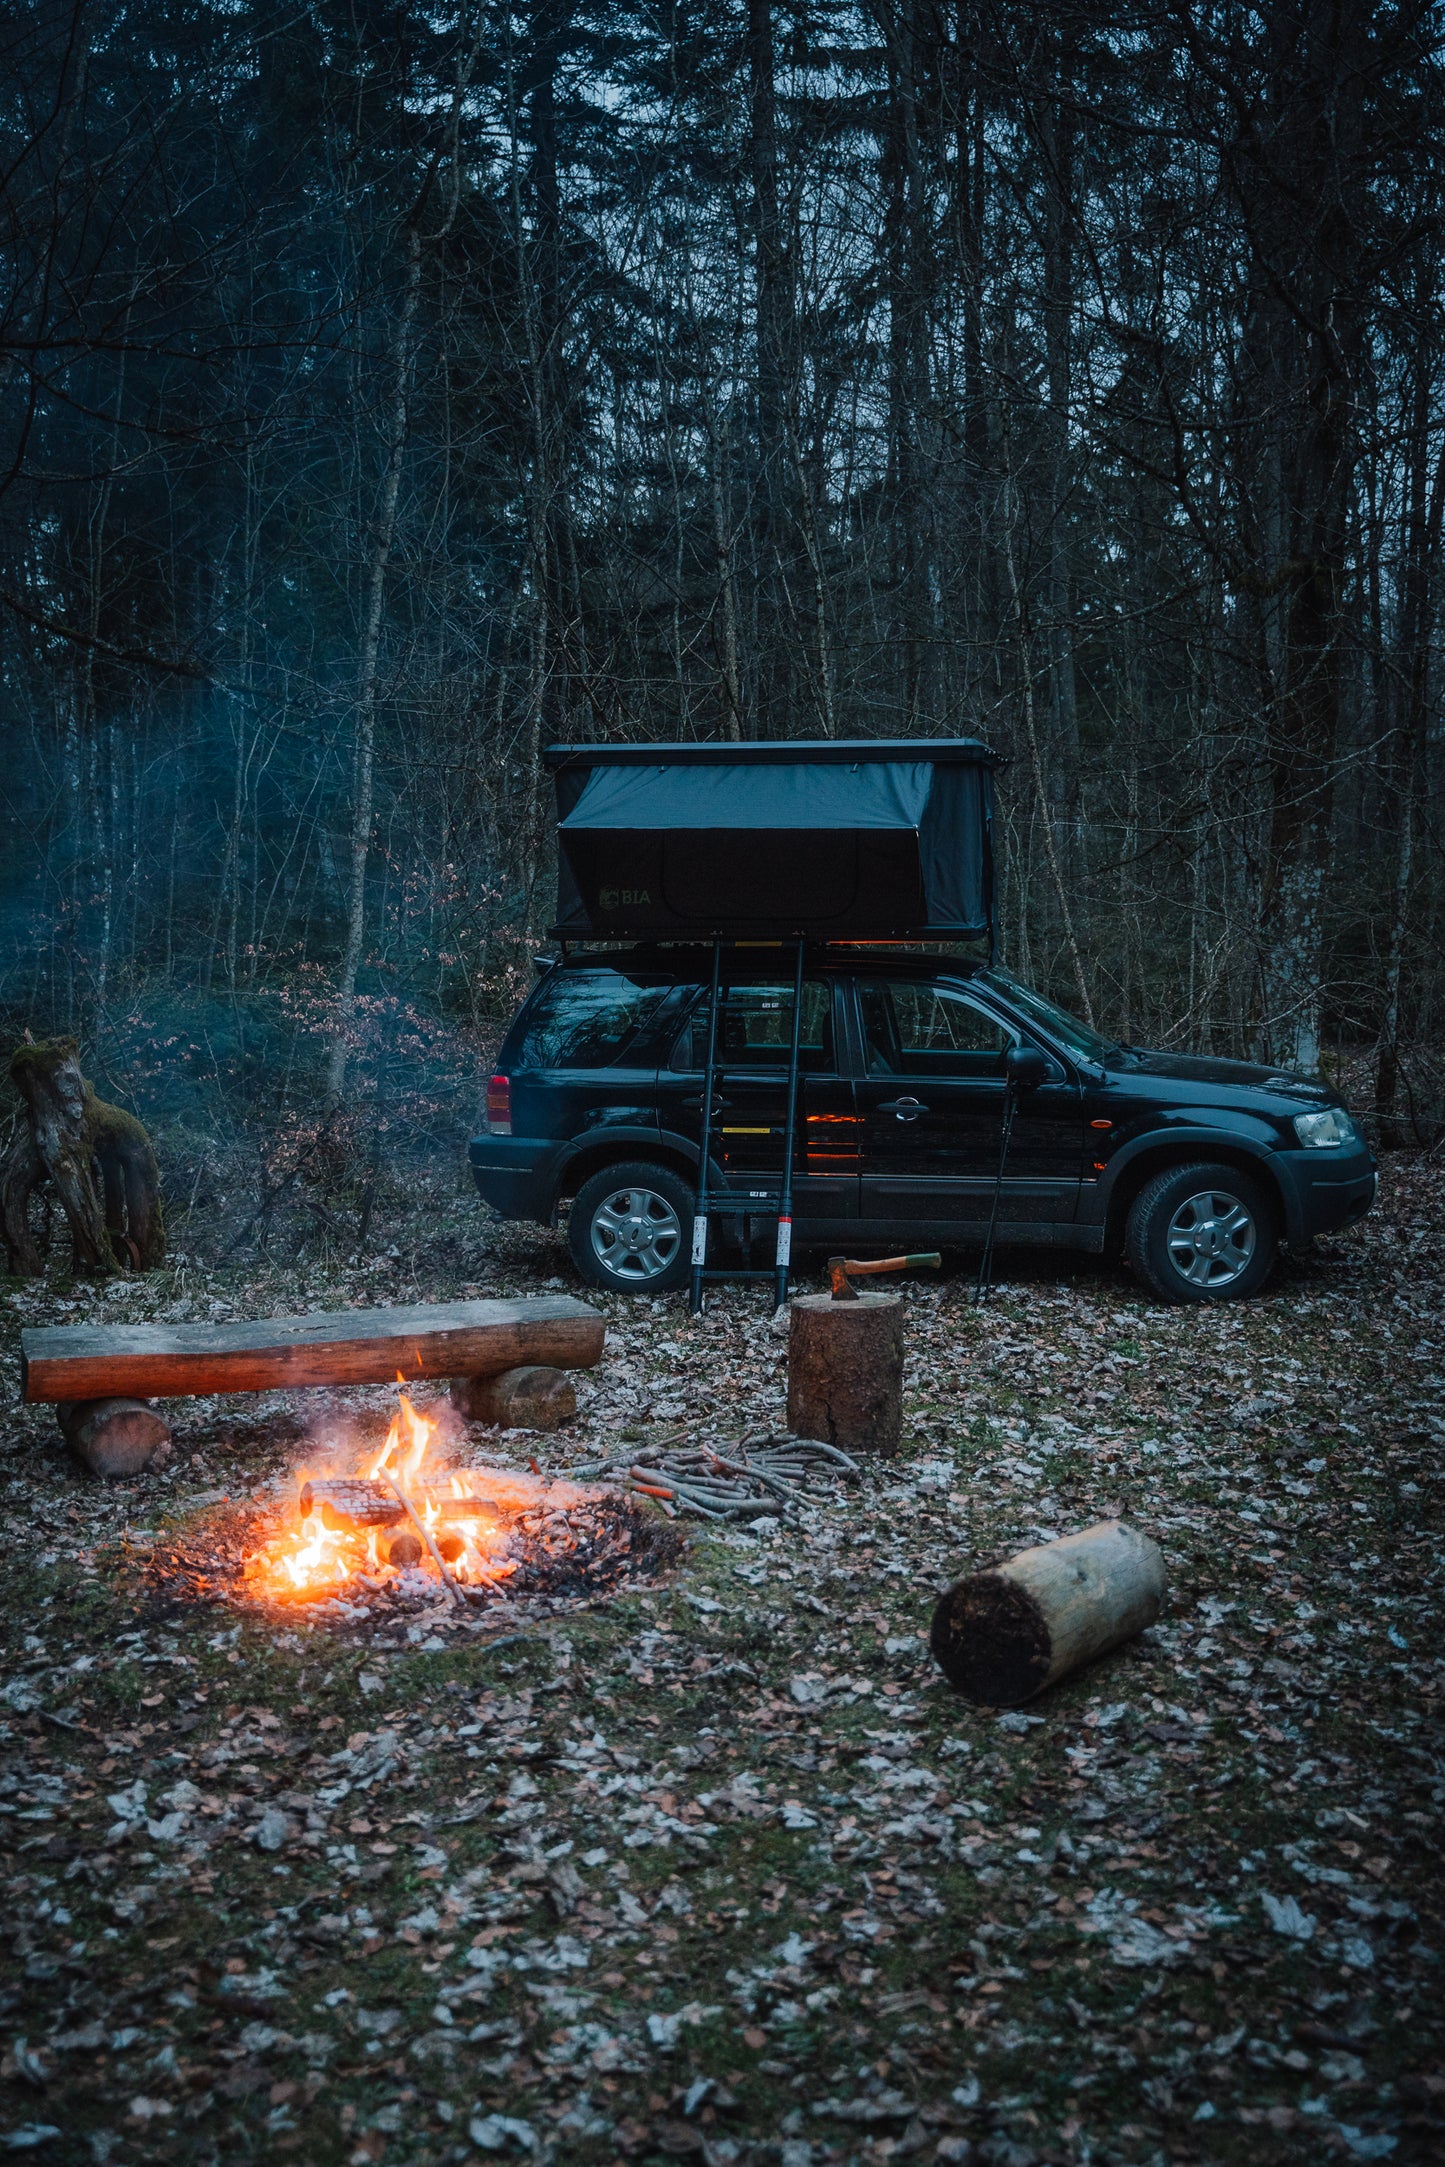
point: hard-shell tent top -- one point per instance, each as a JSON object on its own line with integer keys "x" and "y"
{"x": 862, "y": 839}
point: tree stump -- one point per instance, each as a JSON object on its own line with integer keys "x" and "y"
{"x": 530, "y": 1397}
{"x": 1003, "y": 1634}
{"x": 21, "y": 1174}
{"x": 78, "y": 1140}
{"x": 845, "y": 1371}
{"x": 114, "y": 1437}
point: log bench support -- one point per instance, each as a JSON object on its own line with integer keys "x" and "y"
{"x": 114, "y": 1437}
{"x": 529, "y": 1397}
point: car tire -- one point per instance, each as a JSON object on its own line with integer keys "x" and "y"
{"x": 630, "y": 1229}
{"x": 1202, "y": 1233}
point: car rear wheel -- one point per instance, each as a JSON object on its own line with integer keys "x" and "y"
{"x": 1202, "y": 1234}
{"x": 630, "y": 1229}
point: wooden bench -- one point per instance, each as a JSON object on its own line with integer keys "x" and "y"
{"x": 502, "y": 1356}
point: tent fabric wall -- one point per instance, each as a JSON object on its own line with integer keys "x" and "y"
{"x": 830, "y": 840}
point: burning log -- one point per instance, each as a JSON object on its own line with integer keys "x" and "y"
{"x": 351, "y": 1501}
{"x": 354, "y": 1501}
{"x": 447, "y": 1579}
{"x": 1003, "y": 1634}
{"x": 845, "y": 1370}
{"x": 406, "y": 1549}
{"x": 530, "y": 1397}
{"x": 115, "y": 1436}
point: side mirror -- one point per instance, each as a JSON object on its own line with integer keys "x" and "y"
{"x": 1025, "y": 1068}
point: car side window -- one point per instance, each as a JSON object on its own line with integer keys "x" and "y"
{"x": 755, "y": 1029}
{"x": 913, "y": 1029}
{"x": 582, "y": 1019}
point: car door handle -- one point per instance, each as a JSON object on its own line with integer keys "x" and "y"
{"x": 694, "y": 1104}
{"x": 907, "y": 1109}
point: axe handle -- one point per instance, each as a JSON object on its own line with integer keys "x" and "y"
{"x": 842, "y": 1269}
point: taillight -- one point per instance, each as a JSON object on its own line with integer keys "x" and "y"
{"x": 499, "y": 1105}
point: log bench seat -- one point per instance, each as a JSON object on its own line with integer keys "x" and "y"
{"x": 503, "y": 1358}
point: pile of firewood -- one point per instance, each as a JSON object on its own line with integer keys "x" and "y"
{"x": 727, "y": 1479}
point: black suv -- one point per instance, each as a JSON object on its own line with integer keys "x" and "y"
{"x": 1194, "y": 1169}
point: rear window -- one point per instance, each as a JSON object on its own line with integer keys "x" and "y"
{"x": 582, "y": 1019}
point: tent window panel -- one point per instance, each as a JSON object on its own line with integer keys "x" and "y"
{"x": 755, "y": 1029}
{"x": 923, "y": 1030}
{"x": 759, "y": 874}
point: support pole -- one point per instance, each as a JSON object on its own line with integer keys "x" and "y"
{"x": 699, "y": 1220}
{"x": 784, "y": 1253}
{"x": 985, "y": 1262}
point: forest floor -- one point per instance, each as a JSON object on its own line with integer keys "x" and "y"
{"x": 718, "y": 1868}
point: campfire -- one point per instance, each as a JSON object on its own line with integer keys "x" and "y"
{"x": 399, "y": 1516}
{"x": 405, "y": 1530}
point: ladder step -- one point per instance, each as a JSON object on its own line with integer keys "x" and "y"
{"x": 709, "y": 1273}
{"x": 737, "y": 1205}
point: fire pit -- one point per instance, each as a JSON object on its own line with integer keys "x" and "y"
{"x": 404, "y": 1532}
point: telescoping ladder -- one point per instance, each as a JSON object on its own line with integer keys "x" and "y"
{"x": 713, "y": 1202}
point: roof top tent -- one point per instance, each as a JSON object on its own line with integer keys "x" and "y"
{"x": 854, "y": 839}
{"x": 843, "y": 839}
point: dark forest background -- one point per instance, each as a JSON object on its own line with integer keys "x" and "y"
{"x": 386, "y": 391}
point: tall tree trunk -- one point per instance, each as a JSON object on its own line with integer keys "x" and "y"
{"x": 776, "y": 337}
{"x": 907, "y": 280}
{"x": 1425, "y": 516}
{"x": 383, "y": 534}
{"x": 1298, "y": 169}
{"x": 1057, "y": 150}
{"x": 1057, "y": 875}
{"x": 723, "y": 543}
{"x": 551, "y": 552}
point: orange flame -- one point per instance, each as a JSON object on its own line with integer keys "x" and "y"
{"x": 409, "y": 1466}
{"x": 320, "y": 1559}
{"x": 315, "y": 1560}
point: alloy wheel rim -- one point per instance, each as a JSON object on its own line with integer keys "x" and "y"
{"x": 636, "y": 1234}
{"x": 1211, "y": 1239}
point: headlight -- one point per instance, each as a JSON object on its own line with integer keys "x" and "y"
{"x": 1325, "y": 1130}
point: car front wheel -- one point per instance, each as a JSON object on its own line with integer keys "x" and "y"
{"x": 1202, "y": 1234}
{"x": 630, "y": 1229}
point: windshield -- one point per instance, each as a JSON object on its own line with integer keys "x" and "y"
{"x": 1057, "y": 1022}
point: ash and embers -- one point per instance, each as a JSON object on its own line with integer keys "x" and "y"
{"x": 405, "y": 1531}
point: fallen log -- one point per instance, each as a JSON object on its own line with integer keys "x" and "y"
{"x": 1001, "y": 1635}
{"x": 530, "y": 1397}
{"x": 350, "y": 1346}
{"x": 845, "y": 1370}
{"x": 114, "y": 1436}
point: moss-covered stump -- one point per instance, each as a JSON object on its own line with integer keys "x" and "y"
{"x": 99, "y": 1158}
